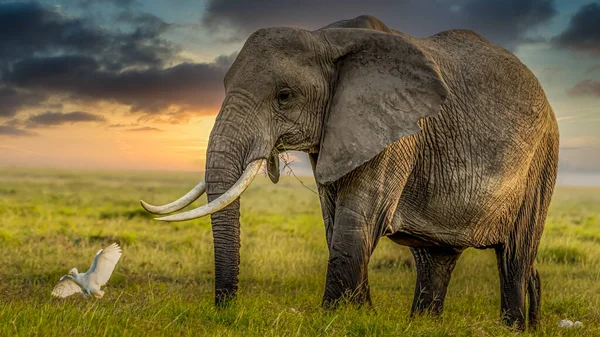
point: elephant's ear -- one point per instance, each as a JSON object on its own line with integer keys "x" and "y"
{"x": 385, "y": 83}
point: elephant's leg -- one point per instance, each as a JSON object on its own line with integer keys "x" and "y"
{"x": 518, "y": 275}
{"x": 327, "y": 197}
{"x": 359, "y": 209}
{"x": 434, "y": 268}
{"x": 514, "y": 280}
{"x": 350, "y": 248}
{"x": 535, "y": 298}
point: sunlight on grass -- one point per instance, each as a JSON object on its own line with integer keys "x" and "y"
{"x": 53, "y": 220}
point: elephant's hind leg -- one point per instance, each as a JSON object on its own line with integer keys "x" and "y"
{"x": 515, "y": 271}
{"x": 518, "y": 275}
{"x": 535, "y": 298}
{"x": 434, "y": 268}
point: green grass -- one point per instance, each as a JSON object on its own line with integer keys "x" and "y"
{"x": 53, "y": 220}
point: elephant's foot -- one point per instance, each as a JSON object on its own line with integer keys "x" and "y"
{"x": 358, "y": 296}
{"x": 347, "y": 281}
{"x": 535, "y": 297}
{"x": 350, "y": 248}
{"x": 514, "y": 320}
{"x": 225, "y": 297}
{"x": 427, "y": 305}
{"x": 514, "y": 282}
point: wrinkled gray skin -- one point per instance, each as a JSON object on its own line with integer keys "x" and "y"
{"x": 480, "y": 172}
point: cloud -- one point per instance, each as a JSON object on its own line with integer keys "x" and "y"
{"x": 54, "y": 44}
{"x": 581, "y": 142}
{"x": 225, "y": 61}
{"x": 48, "y": 53}
{"x": 154, "y": 90}
{"x": 13, "y": 100}
{"x": 580, "y": 154}
{"x": 119, "y": 125}
{"x": 585, "y": 88}
{"x": 31, "y": 29}
{"x": 503, "y": 22}
{"x": 59, "y": 118}
{"x": 10, "y": 130}
{"x": 145, "y": 129}
{"x": 569, "y": 118}
{"x": 118, "y": 3}
{"x": 27, "y": 28}
{"x": 583, "y": 32}
{"x": 506, "y": 22}
{"x": 593, "y": 69}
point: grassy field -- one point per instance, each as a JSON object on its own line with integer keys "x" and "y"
{"x": 53, "y": 220}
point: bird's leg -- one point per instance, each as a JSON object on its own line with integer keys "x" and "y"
{"x": 84, "y": 294}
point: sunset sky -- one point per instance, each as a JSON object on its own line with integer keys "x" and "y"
{"x": 136, "y": 84}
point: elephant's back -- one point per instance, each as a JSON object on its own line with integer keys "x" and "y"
{"x": 472, "y": 162}
{"x": 487, "y": 73}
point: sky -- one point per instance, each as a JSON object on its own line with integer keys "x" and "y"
{"x": 131, "y": 84}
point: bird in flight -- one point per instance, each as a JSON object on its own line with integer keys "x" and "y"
{"x": 89, "y": 283}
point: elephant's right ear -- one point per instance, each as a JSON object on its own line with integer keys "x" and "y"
{"x": 385, "y": 83}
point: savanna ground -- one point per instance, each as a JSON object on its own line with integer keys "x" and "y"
{"x": 53, "y": 220}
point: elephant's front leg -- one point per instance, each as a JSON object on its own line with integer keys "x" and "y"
{"x": 350, "y": 248}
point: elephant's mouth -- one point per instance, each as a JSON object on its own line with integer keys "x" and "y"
{"x": 216, "y": 205}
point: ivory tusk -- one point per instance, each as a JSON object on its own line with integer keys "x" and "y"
{"x": 178, "y": 204}
{"x": 225, "y": 199}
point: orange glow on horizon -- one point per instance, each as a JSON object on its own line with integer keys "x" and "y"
{"x": 179, "y": 147}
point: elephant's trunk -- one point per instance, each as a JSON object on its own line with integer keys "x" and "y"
{"x": 226, "y": 159}
{"x": 235, "y": 153}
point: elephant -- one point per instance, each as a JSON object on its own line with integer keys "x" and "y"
{"x": 439, "y": 143}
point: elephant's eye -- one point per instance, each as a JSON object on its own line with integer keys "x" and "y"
{"x": 283, "y": 95}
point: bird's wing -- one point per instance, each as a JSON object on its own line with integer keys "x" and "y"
{"x": 104, "y": 264}
{"x": 65, "y": 287}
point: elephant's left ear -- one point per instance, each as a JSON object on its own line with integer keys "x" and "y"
{"x": 385, "y": 84}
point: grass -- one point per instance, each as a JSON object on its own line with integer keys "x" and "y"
{"x": 53, "y": 220}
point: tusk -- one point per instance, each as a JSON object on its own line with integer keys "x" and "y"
{"x": 178, "y": 204}
{"x": 225, "y": 199}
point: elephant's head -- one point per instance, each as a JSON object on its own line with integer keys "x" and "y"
{"x": 345, "y": 94}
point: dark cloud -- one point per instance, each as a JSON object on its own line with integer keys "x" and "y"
{"x": 144, "y": 44}
{"x": 506, "y": 22}
{"x": 27, "y": 28}
{"x": 53, "y": 44}
{"x": 501, "y": 21}
{"x": 58, "y": 118}
{"x": 145, "y": 129}
{"x": 10, "y": 130}
{"x": 225, "y": 61}
{"x": 153, "y": 90}
{"x": 44, "y": 53}
{"x": 12, "y": 100}
{"x": 31, "y": 29}
{"x": 126, "y": 4}
{"x": 585, "y": 88}
{"x": 583, "y": 32}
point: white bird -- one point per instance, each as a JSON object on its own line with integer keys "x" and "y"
{"x": 90, "y": 282}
